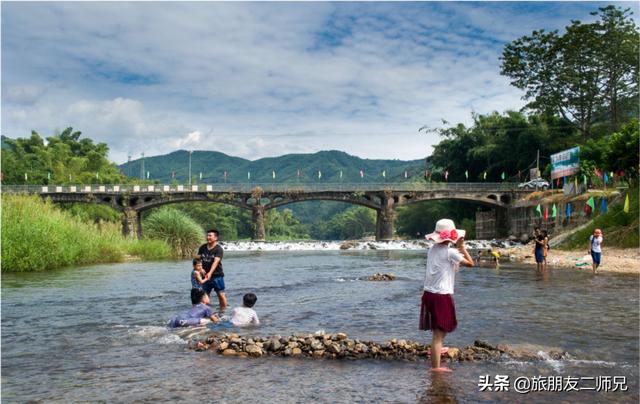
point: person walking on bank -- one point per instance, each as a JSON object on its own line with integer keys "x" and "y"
{"x": 595, "y": 248}
{"x": 211, "y": 255}
{"x": 437, "y": 311}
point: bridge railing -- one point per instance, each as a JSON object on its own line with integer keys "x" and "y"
{"x": 266, "y": 187}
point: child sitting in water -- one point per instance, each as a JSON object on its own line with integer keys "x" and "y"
{"x": 242, "y": 316}
{"x": 198, "y": 275}
{"x": 437, "y": 312}
{"x": 199, "y": 314}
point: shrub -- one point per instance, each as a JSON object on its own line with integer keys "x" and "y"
{"x": 175, "y": 228}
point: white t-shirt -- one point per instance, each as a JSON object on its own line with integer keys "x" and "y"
{"x": 442, "y": 264}
{"x": 244, "y": 316}
{"x": 595, "y": 244}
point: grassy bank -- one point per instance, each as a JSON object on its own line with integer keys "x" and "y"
{"x": 620, "y": 229}
{"x": 37, "y": 236}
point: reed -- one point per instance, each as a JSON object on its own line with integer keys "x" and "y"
{"x": 37, "y": 236}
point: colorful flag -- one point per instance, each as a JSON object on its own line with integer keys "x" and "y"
{"x": 605, "y": 178}
{"x": 558, "y": 182}
{"x": 361, "y": 174}
{"x": 597, "y": 172}
{"x": 147, "y": 174}
{"x": 426, "y": 173}
{"x": 546, "y": 213}
{"x": 466, "y": 174}
{"x": 69, "y": 177}
{"x": 248, "y": 175}
{"x": 97, "y": 175}
{"x": 503, "y": 176}
{"x": 49, "y": 176}
{"x": 590, "y": 205}
{"x": 569, "y": 209}
{"x": 273, "y": 174}
{"x": 575, "y": 180}
{"x": 539, "y": 209}
{"x": 298, "y": 172}
{"x": 584, "y": 177}
{"x": 603, "y": 204}
{"x": 553, "y": 210}
{"x": 384, "y": 174}
{"x": 626, "y": 204}
{"x": 484, "y": 176}
{"x": 26, "y": 177}
{"x": 340, "y": 174}
{"x": 173, "y": 174}
{"x": 538, "y": 174}
{"x": 446, "y": 175}
{"x": 200, "y": 174}
{"x": 405, "y": 174}
{"x": 225, "y": 175}
{"x": 319, "y": 174}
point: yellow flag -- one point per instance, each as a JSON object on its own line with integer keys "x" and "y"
{"x": 626, "y": 204}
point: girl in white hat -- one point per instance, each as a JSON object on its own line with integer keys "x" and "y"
{"x": 438, "y": 312}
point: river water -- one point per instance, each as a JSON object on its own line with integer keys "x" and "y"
{"x": 98, "y": 334}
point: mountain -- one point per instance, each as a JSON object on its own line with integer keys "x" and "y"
{"x": 213, "y": 165}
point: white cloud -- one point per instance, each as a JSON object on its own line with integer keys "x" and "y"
{"x": 260, "y": 79}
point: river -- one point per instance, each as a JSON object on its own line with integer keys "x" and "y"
{"x": 98, "y": 333}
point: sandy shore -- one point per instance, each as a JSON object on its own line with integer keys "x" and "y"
{"x": 613, "y": 259}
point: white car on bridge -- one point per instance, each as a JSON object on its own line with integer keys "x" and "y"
{"x": 536, "y": 183}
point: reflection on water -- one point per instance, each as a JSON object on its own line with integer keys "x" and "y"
{"x": 100, "y": 332}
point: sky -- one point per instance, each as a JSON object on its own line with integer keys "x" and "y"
{"x": 262, "y": 79}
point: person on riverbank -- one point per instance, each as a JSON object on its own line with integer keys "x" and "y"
{"x": 211, "y": 255}
{"x": 437, "y": 310}
{"x": 199, "y": 314}
{"x": 198, "y": 275}
{"x": 595, "y": 248}
{"x": 545, "y": 247}
{"x": 538, "y": 250}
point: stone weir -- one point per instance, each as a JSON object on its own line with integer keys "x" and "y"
{"x": 340, "y": 346}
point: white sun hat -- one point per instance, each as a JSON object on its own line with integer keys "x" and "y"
{"x": 445, "y": 231}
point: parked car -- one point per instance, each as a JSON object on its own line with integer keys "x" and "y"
{"x": 536, "y": 183}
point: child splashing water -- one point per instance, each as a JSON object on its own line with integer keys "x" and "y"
{"x": 437, "y": 312}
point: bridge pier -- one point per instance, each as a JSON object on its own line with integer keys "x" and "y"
{"x": 385, "y": 221}
{"x": 257, "y": 223}
{"x": 131, "y": 223}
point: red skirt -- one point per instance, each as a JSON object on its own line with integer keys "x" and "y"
{"x": 437, "y": 311}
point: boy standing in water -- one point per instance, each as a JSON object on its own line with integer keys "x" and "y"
{"x": 211, "y": 255}
{"x": 437, "y": 312}
{"x": 198, "y": 276}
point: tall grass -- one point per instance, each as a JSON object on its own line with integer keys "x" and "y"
{"x": 177, "y": 229}
{"x": 37, "y": 236}
{"x": 619, "y": 229}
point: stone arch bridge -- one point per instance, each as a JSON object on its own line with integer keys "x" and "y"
{"x": 131, "y": 200}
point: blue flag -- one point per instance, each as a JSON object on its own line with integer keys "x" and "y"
{"x": 569, "y": 209}
{"x": 603, "y": 204}
{"x": 605, "y": 178}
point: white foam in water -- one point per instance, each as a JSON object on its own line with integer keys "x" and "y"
{"x": 354, "y": 245}
{"x": 555, "y": 364}
{"x": 160, "y": 335}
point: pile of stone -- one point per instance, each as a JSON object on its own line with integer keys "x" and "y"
{"x": 382, "y": 277}
{"x": 340, "y": 346}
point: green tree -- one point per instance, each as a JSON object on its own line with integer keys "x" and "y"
{"x": 588, "y": 68}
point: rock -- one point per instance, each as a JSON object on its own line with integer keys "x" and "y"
{"x": 318, "y": 354}
{"x": 292, "y": 344}
{"x": 453, "y": 353}
{"x": 334, "y": 348}
{"x": 242, "y": 354}
{"x": 316, "y": 345}
{"x": 287, "y": 352}
{"x": 254, "y": 350}
{"x": 348, "y": 244}
{"x": 229, "y": 352}
{"x": 235, "y": 340}
{"x": 340, "y": 336}
{"x": 296, "y": 351}
{"x": 223, "y": 346}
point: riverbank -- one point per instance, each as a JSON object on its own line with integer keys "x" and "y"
{"x": 618, "y": 260}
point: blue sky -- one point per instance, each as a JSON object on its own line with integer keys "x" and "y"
{"x": 262, "y": 79}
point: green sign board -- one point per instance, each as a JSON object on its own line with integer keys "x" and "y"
{"x": 565, "y": 163}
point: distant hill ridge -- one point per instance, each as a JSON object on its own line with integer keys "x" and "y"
{"x": 214, "y": 164}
